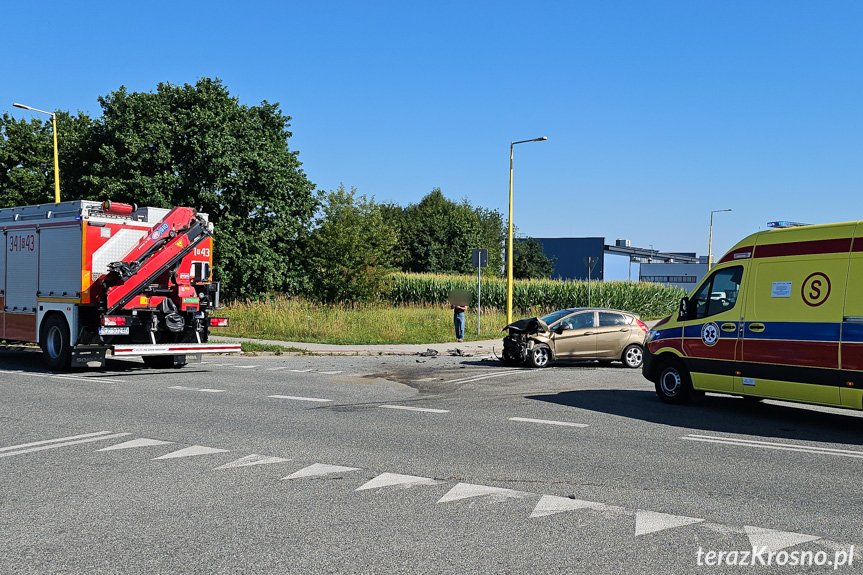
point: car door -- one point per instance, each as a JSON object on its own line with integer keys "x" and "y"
{"x": 577, "y": 337}
{"x": 612, "y": 334}
{"x": 711, "y": 335}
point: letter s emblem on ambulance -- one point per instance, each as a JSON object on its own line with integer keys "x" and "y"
{"x": 816, "y": 289}
{"x": 710, "y": 334}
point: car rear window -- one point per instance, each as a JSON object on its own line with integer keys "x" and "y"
{"x": 608, "y": 319}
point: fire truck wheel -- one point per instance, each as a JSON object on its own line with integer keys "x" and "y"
{"x": 673, "y": 384}
{"x": 54, "y": 341}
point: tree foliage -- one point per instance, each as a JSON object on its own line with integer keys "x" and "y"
{"x": 529, "y": 261}
{"x": 189, "y": 145}
{"x": 437, "y": 235}
{"x": 350, "y": 253}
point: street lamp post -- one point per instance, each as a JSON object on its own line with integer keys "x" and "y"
{"x": 509, "y": 235}
{"x": 710, "y": 241}
{"x": 56, "y": 160}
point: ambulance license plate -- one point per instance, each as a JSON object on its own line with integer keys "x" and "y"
{"x": 113, "y": 331}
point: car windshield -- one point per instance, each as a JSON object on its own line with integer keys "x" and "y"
{"x": 556, "y": 315}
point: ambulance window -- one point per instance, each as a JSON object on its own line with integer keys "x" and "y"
{"x": 718, "y": 293}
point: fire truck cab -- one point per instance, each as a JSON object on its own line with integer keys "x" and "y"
{"x": 84, "y": 278}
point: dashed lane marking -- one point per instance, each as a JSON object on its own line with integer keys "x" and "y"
{"x": 245, "y": 366}
{"x": 55, "y": 443}
{"x": 482, "y": 376}
{"x": 295, "y": 398}
{"x": 548, "y": 422}
{"x": 407, "y": 408}
{"x": 143, "y": 442}
{"x": 468, "y": 490}
{"x": 58, "y": 440}
{"x": 396, "y": 479}
{"x": 319, "y": 470}
{"x": 329, "y": 372}
{"x": 775, "y": 540}
{"x": 651, "y": 522}
{"x": 204, "y": 389}
{"x": 770, "y": 445}
{"x": 253, "y": 459}
{"x": 191, "y": 452}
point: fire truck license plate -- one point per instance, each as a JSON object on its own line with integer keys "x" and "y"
{"x": 113, "y": 331}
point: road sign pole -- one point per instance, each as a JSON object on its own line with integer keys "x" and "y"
{"x": 478, "y": 296}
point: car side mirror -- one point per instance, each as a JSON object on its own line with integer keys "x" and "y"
{"x": 560, "y": 329}
{"x": 683, "y": 309}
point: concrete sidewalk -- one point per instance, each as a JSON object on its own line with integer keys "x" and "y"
{"x": 467, "y": 347}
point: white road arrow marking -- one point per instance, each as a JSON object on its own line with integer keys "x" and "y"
{"x": 253, "y": 459}
{"x": 468, "y": 490}
{"x": 392, "y": 479}
{"x": 191, "y": 452}
{"x": 318, "y": 470}
{"x": 775, "y": 540}
{"x": 550, "y": 504}
{"x": 651, "y": 522}
{"x": 143, "y": 442}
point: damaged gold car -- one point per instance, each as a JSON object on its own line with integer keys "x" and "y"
{"x": 576, "y": 334}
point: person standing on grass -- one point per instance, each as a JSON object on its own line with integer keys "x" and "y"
{"x": 458, "y": 319}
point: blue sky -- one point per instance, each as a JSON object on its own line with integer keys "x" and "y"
{"x": 656, "y": 113}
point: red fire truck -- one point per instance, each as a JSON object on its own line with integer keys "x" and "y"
{"x": 85, "y": 278}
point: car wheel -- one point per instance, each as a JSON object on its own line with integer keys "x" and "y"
{"x": 539, "y": 356}
{"x": 55, "y": 343}
{"x": 673, "y": 384}
{"x": 633, "y": 356}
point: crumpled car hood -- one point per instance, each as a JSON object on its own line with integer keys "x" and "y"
{"x": 529, "y": 325}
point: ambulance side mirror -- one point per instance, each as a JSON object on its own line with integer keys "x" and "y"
{"x": 683, "y": 310}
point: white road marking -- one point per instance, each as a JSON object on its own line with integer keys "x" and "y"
{"x": 277, "y": 368}
{"x": 392, "y": 479}
{"x": 143, "y": 442}
{"x": 222, "y": 364}
{"x": 245, "y": 366}
{"x": 775, "y": 540}
{"x": 204, "y": 389}
{"x": 54, "y": 445}
{"x": 19, "y": 372}
{"x": 482, "y": 376}
{"x": 295, "y": 398}
{"x": 548, "y": 422}
{"x": 86, "y": 378}
{"x": 301, "y": 370}
{"x": 425, "y": 379}
{"x": 651, "y": 522}
{"x": 318, "y": 470}
{"x": 191, "y": 452}
{"x": 550, "y": 504}
{"x": 407, "y": 408}
{"x": 253, "y": 459}
{"x": 58, "y": 440}
{"x": 468, "y": 490}
{"x": 329, "y": 372}
{"x": 770, "y": 445}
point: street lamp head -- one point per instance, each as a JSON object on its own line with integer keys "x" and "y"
{"x": 17, "y": 105}
{"x": 540, "y": 139}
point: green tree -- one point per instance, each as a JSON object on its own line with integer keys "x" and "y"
{"x": 351, "y": 251}
{"x": 198, "y": 146}
{"x": 529, "y": 261}
{"x": 438, "y": 234}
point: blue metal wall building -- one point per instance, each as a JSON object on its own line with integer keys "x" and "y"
{"x": 570, "y": 254}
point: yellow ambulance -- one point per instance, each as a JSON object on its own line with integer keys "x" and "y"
{"x": 780, "y": 316}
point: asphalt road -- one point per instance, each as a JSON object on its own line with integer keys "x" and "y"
{"x": 411, "y": 465}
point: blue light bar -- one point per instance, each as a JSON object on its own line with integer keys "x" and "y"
{"x": 784, "y": 224}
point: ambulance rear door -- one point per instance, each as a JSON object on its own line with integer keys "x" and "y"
{"x": 851, "y": 354}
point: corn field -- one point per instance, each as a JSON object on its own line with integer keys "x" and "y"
{"x": 535, "y": 296}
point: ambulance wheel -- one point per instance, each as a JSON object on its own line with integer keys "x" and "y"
{"x": 163, "y": 361}
{"x": 673, "y": 384}
{"x": 55, "y": 344}
{"x": 539, "y": 356}
{"x": 633, "y": 356}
